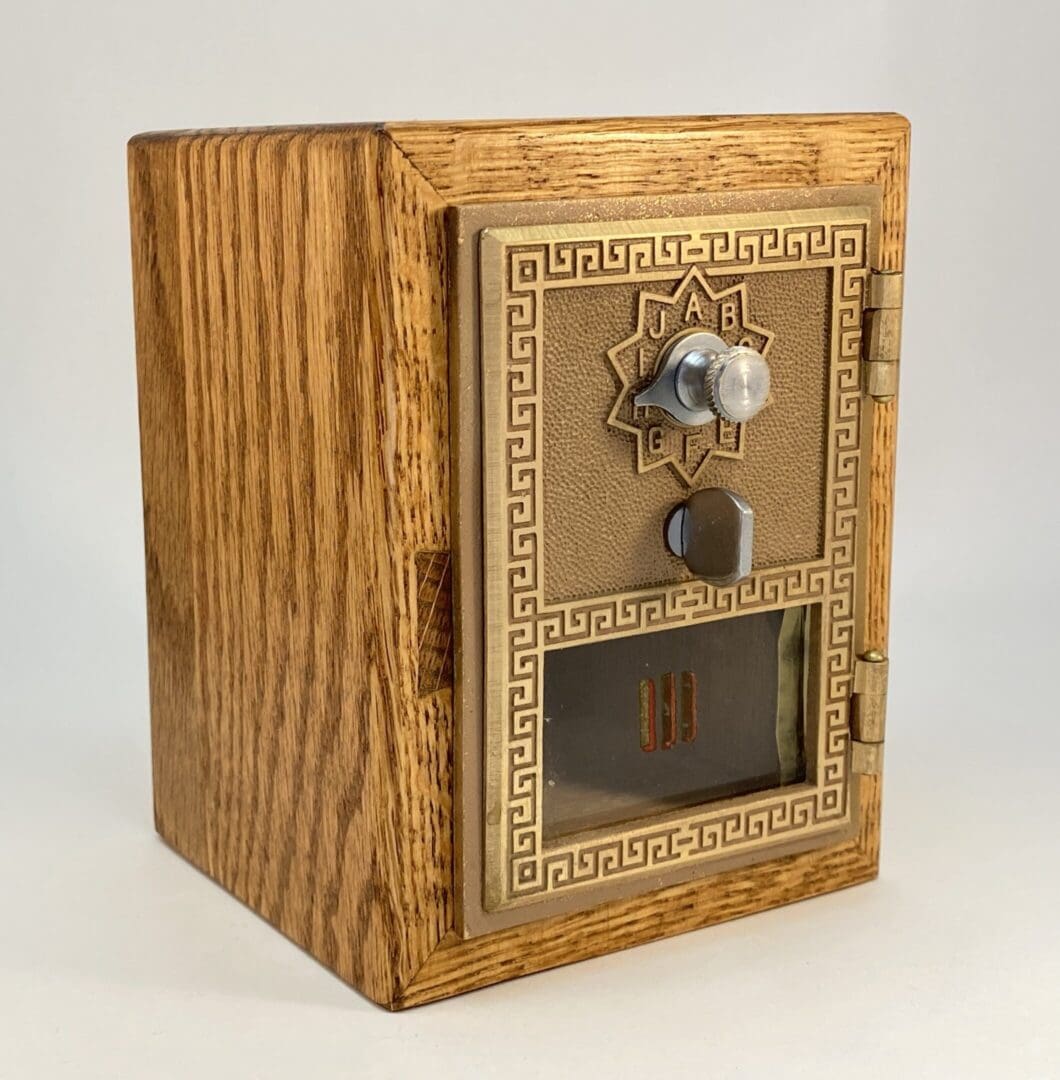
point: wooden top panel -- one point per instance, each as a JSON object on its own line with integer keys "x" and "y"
{"x": 536, "y": 159}
{"x": 487, "y": 161}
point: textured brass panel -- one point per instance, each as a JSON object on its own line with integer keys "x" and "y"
{"x": 602, "y": 516}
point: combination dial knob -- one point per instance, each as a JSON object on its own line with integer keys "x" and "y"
{"x": 701, "y": 378}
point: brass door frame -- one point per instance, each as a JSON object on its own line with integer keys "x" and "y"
{"x": 506, "y": 874}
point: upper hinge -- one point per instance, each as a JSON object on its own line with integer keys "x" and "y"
{"x": 868, "y": 711}
{"x": 882, "y": 333}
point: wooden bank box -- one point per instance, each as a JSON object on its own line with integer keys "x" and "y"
{"x": 518, "y": 512}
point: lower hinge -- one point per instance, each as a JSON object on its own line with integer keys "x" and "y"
{"x": 869, "y": 708}
{"x": 882, "y": 334}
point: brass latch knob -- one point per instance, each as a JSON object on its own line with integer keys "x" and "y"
{"x": 713, "y": 531}
{"x": 701, "y": 378}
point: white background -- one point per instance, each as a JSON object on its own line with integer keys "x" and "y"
{"x": 118, "y": 960}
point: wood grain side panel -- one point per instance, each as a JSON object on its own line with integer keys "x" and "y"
{"x": 407, "y": 260}
{"x": 315, "y": 379}
{"x": 178, "y": 736}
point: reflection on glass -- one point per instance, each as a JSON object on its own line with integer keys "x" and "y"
{"x": 647, "y": 724}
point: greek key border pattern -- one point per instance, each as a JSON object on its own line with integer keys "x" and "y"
{"x": 725, "y": 250}
{"x": 532, "y": 626}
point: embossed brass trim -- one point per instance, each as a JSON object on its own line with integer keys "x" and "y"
{"x": 517, "y": 266}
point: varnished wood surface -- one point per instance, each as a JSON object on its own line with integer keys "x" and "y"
{"x": 494, "y": 160}
{"x": 291, "y": 339}
{"x": 178, "y": 736}
{"x": 295, "y": 431}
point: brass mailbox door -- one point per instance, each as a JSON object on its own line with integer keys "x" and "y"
{"x": 625, "y": 719}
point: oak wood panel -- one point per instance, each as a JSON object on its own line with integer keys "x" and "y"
{"x": 178, "y": 736}
{"x": 490, "y": 161}
{"x": 892, "y": 177}
{"x": 311, "y": 267}
{"x": 881, "y": 523}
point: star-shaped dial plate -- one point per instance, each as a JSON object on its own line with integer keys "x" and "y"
{"x": 693, "y": 305}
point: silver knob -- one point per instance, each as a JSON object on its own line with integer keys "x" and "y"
{"x": 737, "y": 383}
{"x": 713, "y": 531}
{"x": 701, "y": 377}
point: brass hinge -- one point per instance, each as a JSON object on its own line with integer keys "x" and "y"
{"x": 868, "y": 711}
{"x": 882, "y": 334}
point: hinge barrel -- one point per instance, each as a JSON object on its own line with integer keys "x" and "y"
{"x": 868, "y": 712}
{"x": 882, "y": 334}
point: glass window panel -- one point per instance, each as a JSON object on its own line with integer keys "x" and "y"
{"x": 647, "y": 724}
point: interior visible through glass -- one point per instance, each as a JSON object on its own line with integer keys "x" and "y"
{"x": 647, "y": 724}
